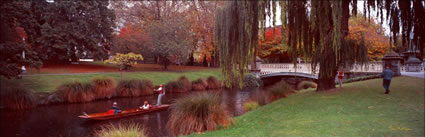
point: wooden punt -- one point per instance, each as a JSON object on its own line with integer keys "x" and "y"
{"x": 124, "y": 113}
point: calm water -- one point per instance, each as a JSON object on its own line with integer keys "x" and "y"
{"x": 61, "y": 120}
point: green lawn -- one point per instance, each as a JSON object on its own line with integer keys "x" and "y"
{"x": 360, "y": 109}
{"x": 48, "y": 83}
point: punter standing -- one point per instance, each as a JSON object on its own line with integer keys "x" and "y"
{"x": 161, "y": 92}
{"x": 387, "y": 74}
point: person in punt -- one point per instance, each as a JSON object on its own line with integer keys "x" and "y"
{"x": 114, "y": 109}
{"x": 161, "y": 92}
{"x": 145, "y": 106}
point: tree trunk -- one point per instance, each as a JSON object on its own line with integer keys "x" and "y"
{"x": 325, "y": 84}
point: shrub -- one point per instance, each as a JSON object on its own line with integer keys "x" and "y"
{"x": 250, "y": 105}
{"x": 175, "y": 86}
{"x": 134, "y": 87}
{"x": 306, "y": 85}
{"x": 122, "y": 130}
{"x": 18, "y": 98}
{"x": 103, "y": 87}
{"x": 251, "y": 81}
{"x": 197, "y": 113}
{"x": 75, "y": 92}
{"x": 213, "y": 83}
{"x": 186, "y": 81}
{"x": 199, "y": 85}
{"x": 262, "y": 97}
{"x": 281, "y": 89}
{"x": 146, "y": 87}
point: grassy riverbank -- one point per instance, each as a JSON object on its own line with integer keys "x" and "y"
{"x": 48, "y": 83}
{"x": 358, "y": 109}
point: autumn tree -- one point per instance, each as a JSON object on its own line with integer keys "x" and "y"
{"x": 131, "y": 38}
{"x": 373, "y": 35}
{"x": 271, "y": 48}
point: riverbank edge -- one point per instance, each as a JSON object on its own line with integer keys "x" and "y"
{"x": 251, "y": 123}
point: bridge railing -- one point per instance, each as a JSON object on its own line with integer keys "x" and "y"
{"x": 306, "y": 68}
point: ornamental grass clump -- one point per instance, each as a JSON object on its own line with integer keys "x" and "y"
{"x": 134, "y": 87}
{"x": 146, "y": 87}
{"x": 213, "y": 83}
{"x": 18, "y": 98}
{"x": 76, "y": 92}
{"x": 121, "y": 130}
{"x": 281, "y": 89}
{"x": 250, "y": 105}
{"x": 199, "y": 85}
{"x": 103, "y": 87}
{"x": 306, "y": 85}
{"x": 176, "y": 86}
{"x": 197, "y": 113}
{"x": 186, "y": 82}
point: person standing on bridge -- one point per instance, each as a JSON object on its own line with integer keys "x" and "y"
{"x": 387, "y": 74}
{"x": 340, "y": 77}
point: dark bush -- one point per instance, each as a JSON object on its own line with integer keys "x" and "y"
{"x": 186, "y": 81}
{"x": 75, "y": 92}
{"x": 18, "y": 98}
{"x": 176, "y": 86}
{"x": 103, "y": 87}
{"x": 199, "y": 85}
{"x": 213, "y": 83}
{"x": 251, "y": 81}
{"x": 306, "y": 85}
{"x": 197, "y": 113}
{"x": 281, "y": 89}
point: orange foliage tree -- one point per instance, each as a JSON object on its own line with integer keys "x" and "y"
{"x": 373, "y": 35}
{"x": 271, "y": 48}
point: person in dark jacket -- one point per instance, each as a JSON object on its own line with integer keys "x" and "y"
{"x": 115, "y": 108}
{"x": 387, "y": 74}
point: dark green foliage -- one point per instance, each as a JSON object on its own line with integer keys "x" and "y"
{"x": 251, "y": 81}
{"x": 76, "y": 92}
{"x": 197, "y": 113}
{"x": 18, "y": 98}
{"x": 60, "y": 30}
{"x": 362, "y": 78}
{"x": 170, "y": 39}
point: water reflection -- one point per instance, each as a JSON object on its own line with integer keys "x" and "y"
{"x": 62, "y": 120}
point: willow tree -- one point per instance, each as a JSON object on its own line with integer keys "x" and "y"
{"x": 236, "y": 36}
{"x": 317, "y": 30}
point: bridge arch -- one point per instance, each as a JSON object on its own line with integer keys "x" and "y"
{"x": 292, "y": 78}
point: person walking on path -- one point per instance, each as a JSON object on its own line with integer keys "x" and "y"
{"x": 340, "y": 77}
{"x": 161, "y": 92}
{"x": 387, "y": 74}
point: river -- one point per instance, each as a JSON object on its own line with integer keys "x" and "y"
{"x": 61, "y": 119}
